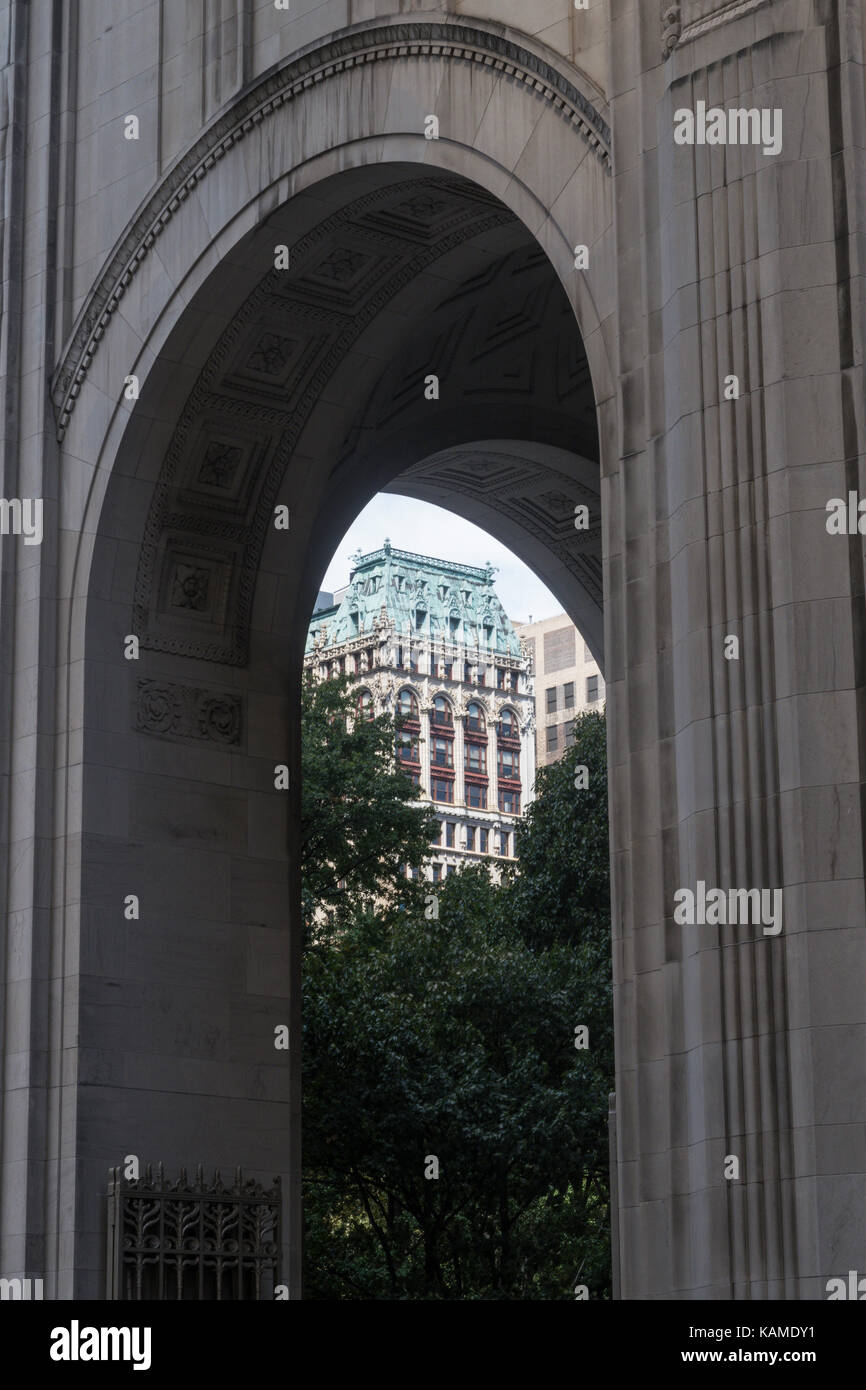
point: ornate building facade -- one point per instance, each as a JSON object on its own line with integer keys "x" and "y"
{"x": 431, "y": 640}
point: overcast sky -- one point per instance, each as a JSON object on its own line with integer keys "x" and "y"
{"x": 428, "y": 530}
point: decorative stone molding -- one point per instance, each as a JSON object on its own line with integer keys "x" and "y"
{"x": 687, "y": 21}
{"x": 460, "y": 42}
{"x": 546, "y": 512}
{"x": 185, "y": 711}
{"x": 671, "y": 27}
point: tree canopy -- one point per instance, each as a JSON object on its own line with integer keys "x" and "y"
{"x": 361, "y": 824}
{"x": 455, "y": 1137}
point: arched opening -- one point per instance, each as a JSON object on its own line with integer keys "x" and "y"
{"x": 412, "y": 1022}
{"x": 414, "y": 336}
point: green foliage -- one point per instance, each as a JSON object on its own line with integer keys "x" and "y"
{"x": 361, "y": 824}
{"x": 563, "y": 889}
{"x": 453, "y": 1037}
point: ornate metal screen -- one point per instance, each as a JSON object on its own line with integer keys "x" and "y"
{"x": 192, "y": 1240}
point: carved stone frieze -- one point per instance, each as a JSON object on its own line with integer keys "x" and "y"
{"x": 188, "y": 712}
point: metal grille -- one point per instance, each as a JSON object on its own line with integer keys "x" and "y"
{"x": 181, "y": 1241}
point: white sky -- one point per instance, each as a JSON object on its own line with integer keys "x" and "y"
{"x": 429, "y": 530}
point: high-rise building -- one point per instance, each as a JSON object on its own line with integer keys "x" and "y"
{"x": 431, "y": 639}
{"x": 567, "y": 682}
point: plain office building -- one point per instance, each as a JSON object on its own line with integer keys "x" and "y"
{"x": 567, "y": 681}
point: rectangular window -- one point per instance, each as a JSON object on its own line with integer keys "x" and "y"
{"x": 447, "y": 668}
{"x": 569, "y": 734}
{"x": 470, "y": 837}
{"x": 476, "y": 796}
{"x": 407, "y": 747}
{"x": 483, "y": 836}
{"x": 503, "y": 843}
{"x": 553, "y": 738}
{"x": 437, "y": 873}
{"x": 449, "y": 834}
{"x": 587, "y": 654}
{"x": 509, "y": 762}
{"x": 551, "y": 700}
{"x": 568, "y": 692}
{"x": 475, "y": 757}
{"x": 443, "y": 752}
{"x": 591, "y": 689}
{"x": 451, "y": 869}
{"x": 509, "y": 803}
{"x": 442, "y": 789}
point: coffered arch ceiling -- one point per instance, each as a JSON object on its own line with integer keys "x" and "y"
{"x": 326, "y": 362}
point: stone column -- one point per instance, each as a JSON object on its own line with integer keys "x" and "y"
{"x": 737, "y": 763}
{"x": 459, "y": 754}
{"x": 492, "y": 768}
{"x": 425, "y": 747}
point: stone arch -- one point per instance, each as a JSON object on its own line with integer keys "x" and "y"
{"x": 714, "y": 523}
{"x": 405, "y": 688}
{"x": 443, "y": 695}
{"x": 173, "y": 542}
{"x": 483, "y": 704}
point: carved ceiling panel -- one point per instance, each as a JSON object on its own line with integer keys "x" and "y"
{"x": 502, "y": 335}
{"x": 205, "y": 531}
{"x": 536, "y": 498}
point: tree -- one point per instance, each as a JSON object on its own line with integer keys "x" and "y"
{"x": 562, "y": 890}
{"x": 361, "y": 825}
{"x": 451, "y": 1039}
{"x": 451, "y": 1036}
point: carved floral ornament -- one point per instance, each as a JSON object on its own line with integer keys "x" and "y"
{"x": 459, "y": 42}
{"x": 182, "y": 711}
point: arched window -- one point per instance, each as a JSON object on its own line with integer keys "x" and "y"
{"x": 475, "y": 721}
{"x": 442, "y": 712}
{"x": 508, "y": 724}
{"x": 365, "y": 704}
{"x": 407, "y": 704}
